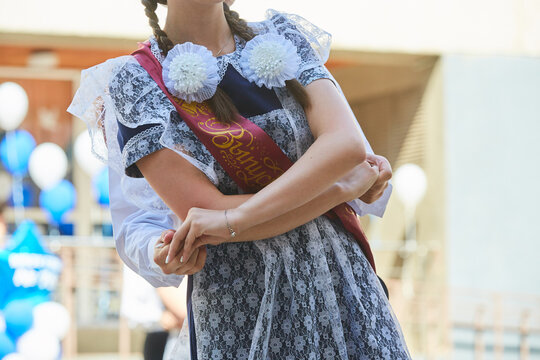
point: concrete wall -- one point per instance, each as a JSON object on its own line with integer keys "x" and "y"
{"x": 492, "y": 146}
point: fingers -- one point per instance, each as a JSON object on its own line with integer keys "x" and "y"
{"x": 374, "y": 193}
{"x": 167, "y": 236}
{"x": 178, "y": 240}
{"x": 189, "y": 243}
{"x": 164, "y": 239}
{"x": 160, "y": 253}
{"x": 385, "y": 169}
{"x": 371, "y": 158}
{"x": 174, "y": 266}
{"x": 199, "y": 264}
{"x": 187, "y": 265}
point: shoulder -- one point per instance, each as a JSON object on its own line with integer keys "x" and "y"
{"x": 310, "y": 39}
{"x": 108, "y": 75}
{"x": 103, "y": 72}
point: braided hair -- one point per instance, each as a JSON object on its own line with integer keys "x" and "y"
{"x": 220, "y": 104}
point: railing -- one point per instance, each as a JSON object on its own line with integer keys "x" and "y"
{"x": 495, "y": 325}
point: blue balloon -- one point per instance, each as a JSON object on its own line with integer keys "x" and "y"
{"x": 19, "y": 317}
{"x": 101, "y": 187}
{"x": 58, "y": 200}
{"x": 37, "y": 299}
{"x": 15, "y": 150}
{"x": 7, "y": 346}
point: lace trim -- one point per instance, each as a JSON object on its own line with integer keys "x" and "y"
{"x": 308, "y": 76}
{"x": 140, "y": 145}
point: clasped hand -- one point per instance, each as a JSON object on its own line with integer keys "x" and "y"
{"x": 184, "y": 252}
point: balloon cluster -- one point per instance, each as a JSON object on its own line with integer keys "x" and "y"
{"x": 32, "y": 332}
{"x": 31, "y": 326}
{"x": 46, "y": 163}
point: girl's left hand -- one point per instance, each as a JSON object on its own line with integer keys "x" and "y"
{"x": 385, "y": 174}
{"x": 201, "y": 227}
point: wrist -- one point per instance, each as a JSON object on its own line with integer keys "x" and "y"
{"x": 342, "y": 191}
{"x": 235, "y": 222}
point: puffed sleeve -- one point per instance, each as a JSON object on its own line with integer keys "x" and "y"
{"x": 147, "y": 121}
{"x": 312, "y": 44}
{"x": 129, "y": 117}
{"x": 141, "y": 111}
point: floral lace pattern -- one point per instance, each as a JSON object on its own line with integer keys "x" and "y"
{"x": 307, "y": 294}
{"x": 316, "y": 297}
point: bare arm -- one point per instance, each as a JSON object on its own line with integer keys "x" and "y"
{"x": 356, "y": 183}
{"x": 338, "y": 147}
{"x": 205, "y": 195}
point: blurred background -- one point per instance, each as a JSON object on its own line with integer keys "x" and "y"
{"x": 448, "y": 91}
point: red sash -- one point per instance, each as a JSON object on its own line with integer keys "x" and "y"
{"x": 244, "y": 150}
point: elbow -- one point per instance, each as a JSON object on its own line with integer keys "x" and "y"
{"x": 355, "y": 150}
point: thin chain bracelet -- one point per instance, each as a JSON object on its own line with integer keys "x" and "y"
{"x": 233, "y": 233}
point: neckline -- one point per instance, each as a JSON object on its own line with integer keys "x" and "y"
{"x": 154, "y": 47}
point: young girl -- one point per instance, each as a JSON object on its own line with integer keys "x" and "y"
{"x": 245, "y": 137}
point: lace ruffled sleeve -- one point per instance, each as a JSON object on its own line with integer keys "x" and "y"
{"x": 312, "y": 43}
{"x": 129, "y": 117}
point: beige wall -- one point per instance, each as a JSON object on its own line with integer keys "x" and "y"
{"x": 418, "y": 26}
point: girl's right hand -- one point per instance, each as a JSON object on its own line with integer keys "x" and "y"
{"x": 360, "y": 179}
{"x": 194, "y": 264}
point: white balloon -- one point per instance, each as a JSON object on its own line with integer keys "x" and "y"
{"x": 48, "y": 165}
{"x": 410, "y": 183}
{"x": 38, "y": 345}
{"x": 15, "y": 356}
{"x": 13, "y": 105}
{"x": 51, "y": 317}
{"x": 83, "y": 154}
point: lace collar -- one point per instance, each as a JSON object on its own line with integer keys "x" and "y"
{"x": 223, "y": 60}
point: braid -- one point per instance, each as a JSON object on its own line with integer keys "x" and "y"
{"x": 238, "y": 26}
{"x": 150, "y": 6}
{"x": 220, "y": 104}
{"x": 241, "y": 28}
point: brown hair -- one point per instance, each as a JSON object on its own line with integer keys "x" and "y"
{"x": 221, "y": 104}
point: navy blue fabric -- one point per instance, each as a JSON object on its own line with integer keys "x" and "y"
{"x": 249, "y": 99}
{"x": 191, "y": 321}
{"x": 124, "y": 134}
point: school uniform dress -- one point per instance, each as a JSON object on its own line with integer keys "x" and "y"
{"x": 307, "y": 294}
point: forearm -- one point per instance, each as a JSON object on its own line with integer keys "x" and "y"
{"x": 315, "y": 172}
{"x": 338, "y": 147}
{"x": 330, "y": 198}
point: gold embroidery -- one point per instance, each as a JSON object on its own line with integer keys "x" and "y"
{"x": 235, "y": 143}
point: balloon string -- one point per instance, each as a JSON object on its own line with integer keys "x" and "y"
{"x": 17, "y": 187}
